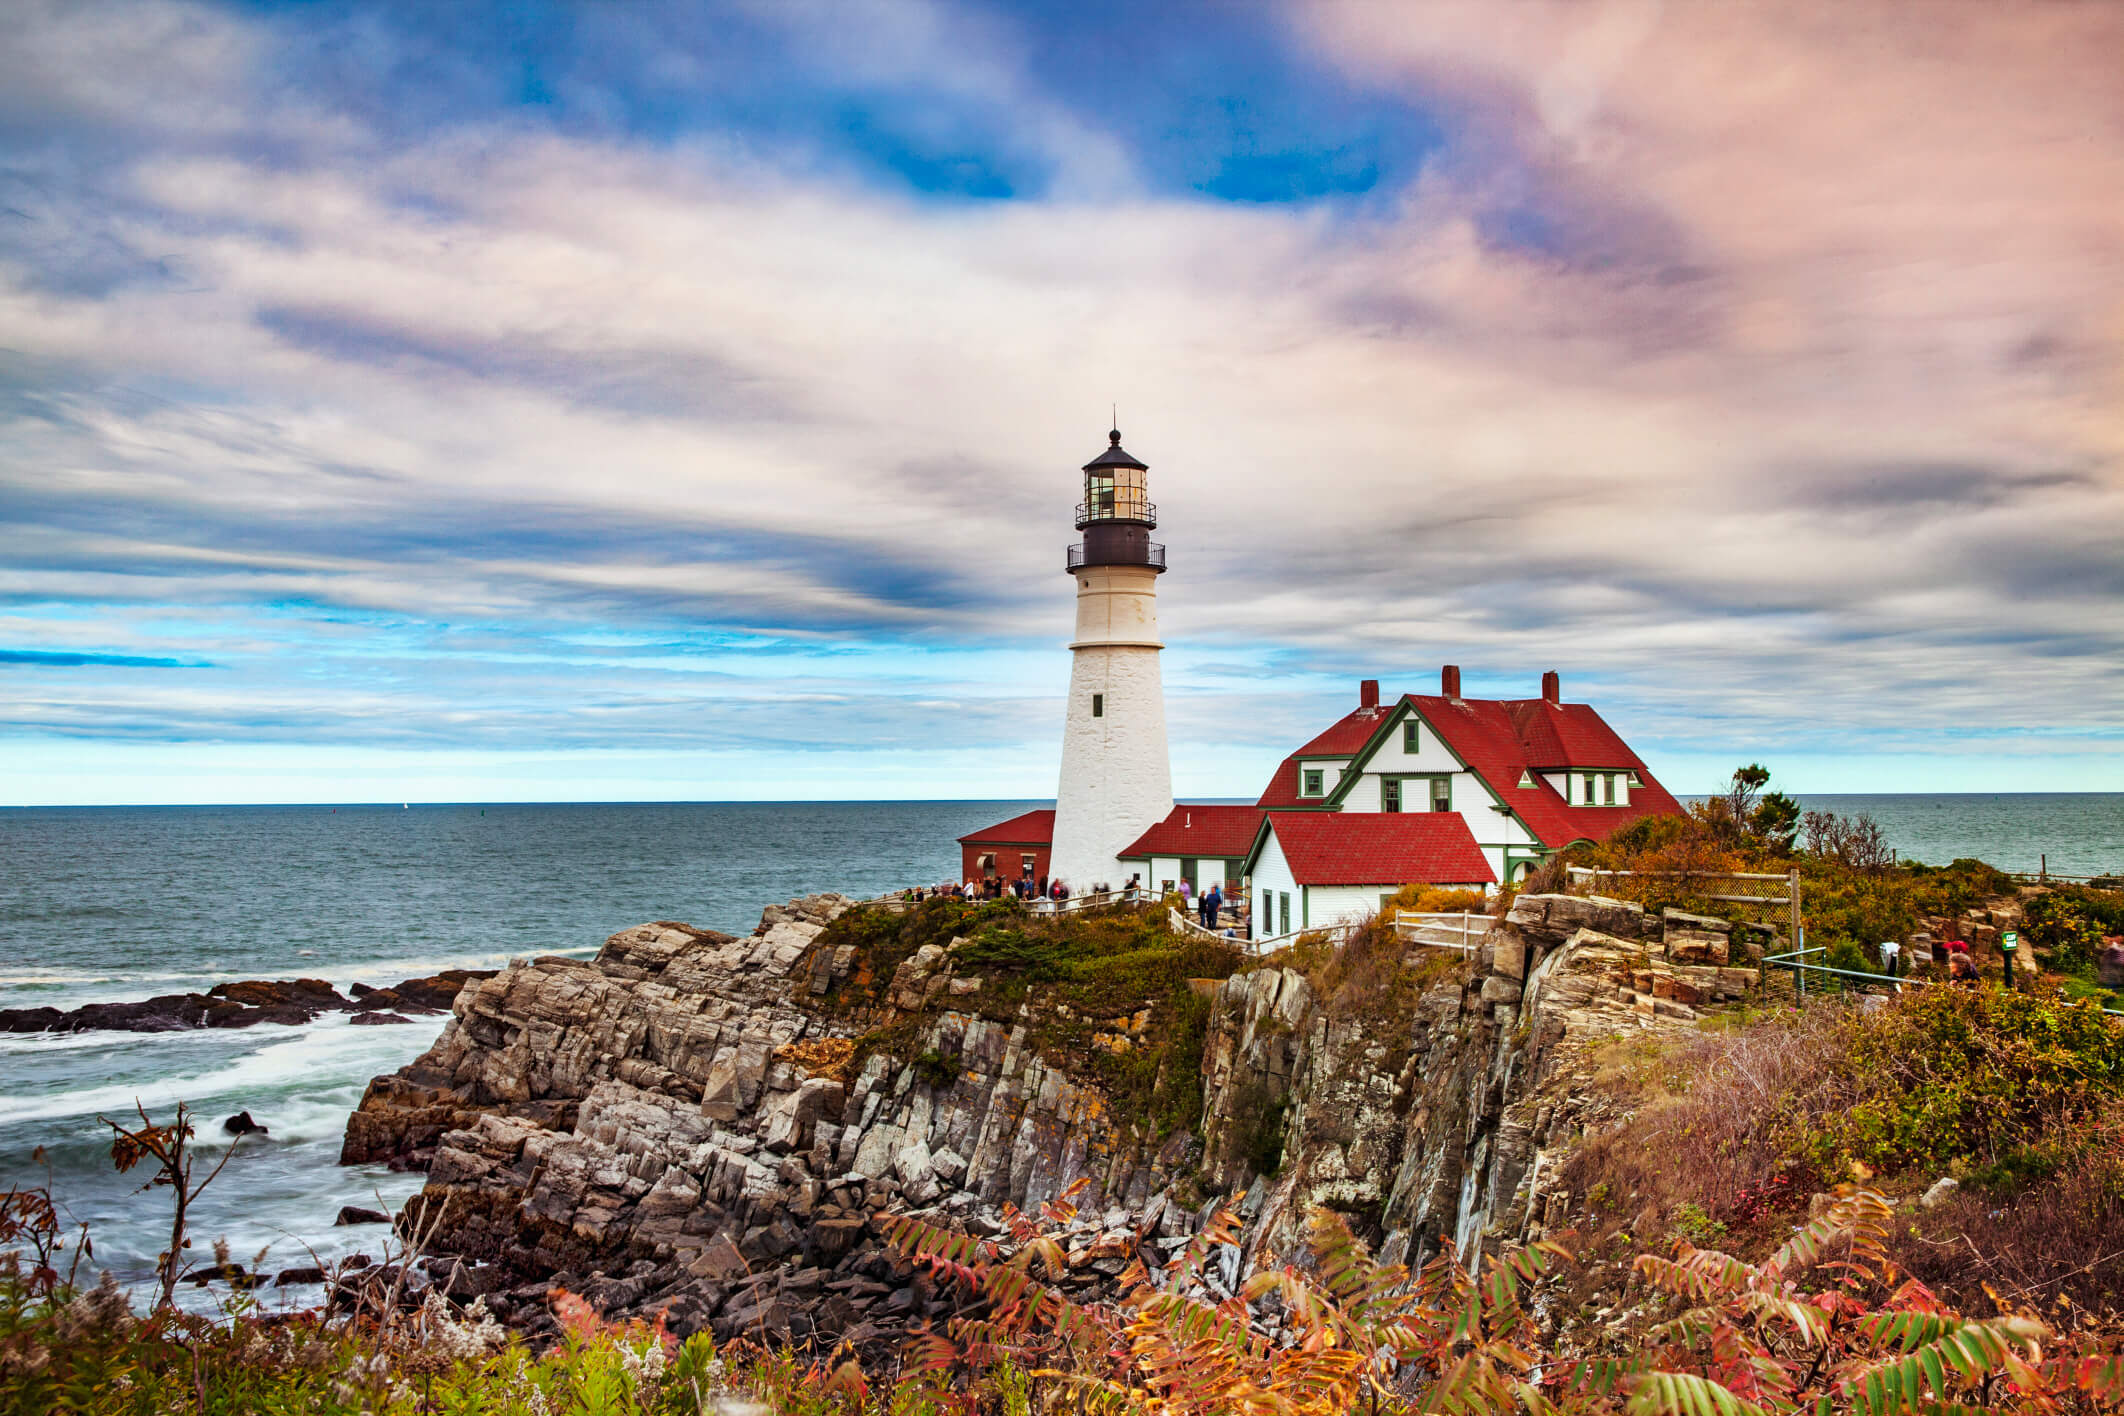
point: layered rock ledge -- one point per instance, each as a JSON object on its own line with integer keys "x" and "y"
{"x": 707, "y": 1126}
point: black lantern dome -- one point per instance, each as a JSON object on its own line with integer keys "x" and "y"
{"x": 1117, "y": 514}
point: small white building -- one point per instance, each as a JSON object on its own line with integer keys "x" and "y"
{"x": 1312, "y": 868}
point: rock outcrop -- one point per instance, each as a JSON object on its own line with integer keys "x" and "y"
{"x": 683, "y": 1126}
{"x": 241, "y": 1005}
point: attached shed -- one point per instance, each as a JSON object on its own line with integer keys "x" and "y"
{"x": 1312, "y": 868}
{"x": 1009, "y": 848}
{"x": 1202, "y": 845}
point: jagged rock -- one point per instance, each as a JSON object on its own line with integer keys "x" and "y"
{"x": 291, "y": 1276}
{"x": 355, "y": 1214}
{"x": 241, "y": 1124}
{"x": 641, "y": 1127}
{"x": 377, "y": 1019}
{"x": 1942, "y": 1190}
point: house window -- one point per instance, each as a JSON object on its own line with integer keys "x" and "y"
{"x": 1408, "y": 736}
{"x": 1441, "y": 793}
{"x": 1098, "y": 705}
{"x": 1586, "y": 791}
{"x": 1310, "y": 779}
{"x": 1607, "y": 789}
{"x": 1026, "y": 863}
{"x": 1268, "y": 915}
{"x": 1283, "y": 912}
{"x": 986, "y": 864}
{"x": 1390, "y": 794}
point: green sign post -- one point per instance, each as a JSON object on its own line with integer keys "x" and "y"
{"x": 2009, "y": 945}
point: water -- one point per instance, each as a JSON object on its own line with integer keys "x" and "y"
{"x": 120, "y": 903}
{"x": 2082, "y": 833}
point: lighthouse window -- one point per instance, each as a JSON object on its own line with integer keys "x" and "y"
{"x": 1098, "y": 705}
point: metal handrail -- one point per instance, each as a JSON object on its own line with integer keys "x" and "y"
{"x": 1154, "y": 554}
{"x": 1896, "y": 982}
{"x": 1143, "y": 511}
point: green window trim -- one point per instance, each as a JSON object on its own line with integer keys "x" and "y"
{"x": 1312, "y": 781}
{"x": 1410, "y": 740}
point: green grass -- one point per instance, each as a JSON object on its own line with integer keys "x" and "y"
{"x": 1075, "y": 981}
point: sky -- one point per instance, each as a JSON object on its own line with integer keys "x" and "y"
{"x": 684, "y": 401}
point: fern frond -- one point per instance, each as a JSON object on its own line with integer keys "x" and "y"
{"x": 1684, "y": 1394}
{"x": 1970, "y": 1351}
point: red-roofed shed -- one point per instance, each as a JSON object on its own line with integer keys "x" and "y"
{"x": 1007, "y": 847}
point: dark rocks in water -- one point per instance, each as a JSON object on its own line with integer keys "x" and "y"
{"x": 288, "y": 1277}
{"x": 355, "y": 1214}
{"x": 288, "y": 1002}
{"x": 375, "y": 1019}
{"x": 312, "y": 993}
{"x": 235, "y": 1275}
{"x": 433, "y": 994}
{"x": 241, "y": 1124}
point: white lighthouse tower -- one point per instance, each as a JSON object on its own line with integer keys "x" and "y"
{"x": 1117, "y": 780}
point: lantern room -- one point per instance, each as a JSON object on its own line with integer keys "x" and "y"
{"x": 1117, "y": 514}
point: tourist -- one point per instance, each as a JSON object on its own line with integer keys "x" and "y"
{"x": 1212, "y": 901}
{"x": 1960, "y": 969}
{"x": 1187, "y": 891}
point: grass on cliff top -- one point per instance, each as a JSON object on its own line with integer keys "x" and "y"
{"x": 2019, "y": 1097}
{"x": 1078, "y": 982}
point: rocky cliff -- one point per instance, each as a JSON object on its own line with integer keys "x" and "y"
{"x": 705, "y": 1126}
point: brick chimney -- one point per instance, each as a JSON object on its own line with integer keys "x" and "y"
{"x": 1551, "y": 687}
{"x": 1449, "y": 681}
{"x": 1368, "y": 693}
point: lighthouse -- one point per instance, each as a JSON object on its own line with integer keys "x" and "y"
{"x": 1117, "y": 779}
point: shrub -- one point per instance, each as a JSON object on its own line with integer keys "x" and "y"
{"x": 1998, "y": 1087}
{"x": 2067, "y": 924}
{"x": 1823, "y": 1325}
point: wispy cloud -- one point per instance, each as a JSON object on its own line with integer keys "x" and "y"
{"x": 1758, "y": 367}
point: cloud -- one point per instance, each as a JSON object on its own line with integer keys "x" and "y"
{"x": 69, "y": 659}
{"x": 1757, "y": 366}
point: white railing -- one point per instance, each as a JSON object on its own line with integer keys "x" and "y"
{"x": 895, "y": 901}
{"x": 1414, "y": 925}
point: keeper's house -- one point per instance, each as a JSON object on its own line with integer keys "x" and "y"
{"x": 1431, "y": 789}
{"x": 1499, "y": 784}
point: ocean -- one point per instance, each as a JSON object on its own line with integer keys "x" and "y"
{"x": 120, "y": 903}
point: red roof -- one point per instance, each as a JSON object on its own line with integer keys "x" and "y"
{"x": 1342, "y": 740}
{"x": 1379, "y": 848}
{"x": 1196, "y": 831}
{"x": 1501, "y": 739}
{"x": 1034, "y": 828}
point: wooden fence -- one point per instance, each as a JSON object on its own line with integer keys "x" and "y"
{"x": 1789, "y": 901}
{"x": 1427, "y": 927}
